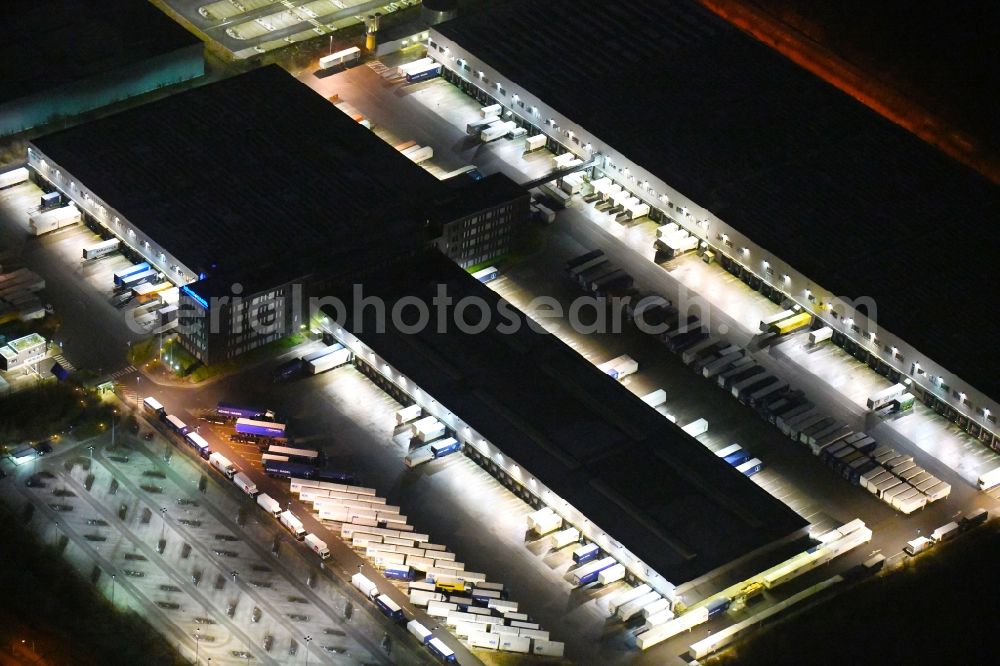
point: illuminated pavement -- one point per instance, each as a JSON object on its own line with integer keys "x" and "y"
{"x": 435, "y": 113}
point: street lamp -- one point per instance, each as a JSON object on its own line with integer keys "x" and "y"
{"x": 197, "y": 643}
{"x": 308, "y": 640}
{"x": 112, "y": 589}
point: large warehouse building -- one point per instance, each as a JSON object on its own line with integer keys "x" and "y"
{"x": 796, "y": 188}
{"x": 59, "y": 59}
{"x": 253, "y": 193}
{"x": 559, "y": 432}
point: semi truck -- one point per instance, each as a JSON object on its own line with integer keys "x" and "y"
{"x": 421, "y": 154}
{"x": 269, "y": 504}
{"x": 153, "y": 406}
{"x": 317, "y": 546}
{"x": 696, "y": 428}
{"x": 496, "y": 130}
{"x": 13, "y": 177}
{"x": 246, "y": 426}
{"x": 340, "y": 58}
{"x": 221, "y": 463}
{"x": 292, "y": 524}
{"x": 619, "y": 368}
{"x": 244, "y": 483}
{"x": 820, "y": 335}
{"x": 535, "y": 142}
{"x": 487, "y": 274}
{"x": 586, "y": 553}
{"x": 418, "y": 456}
{"x": 135, "y": 279}
{"x": 990, "y": 479}
{"x": 589, "y": 572}
{"x": 886, "y": 396}
{"x": 307, "y": 456}
{"x": 476, "y": 128}
{"x": 337, "y": 356}
{"x": 50, "y": 220}
{"x": 198, "y": 443}
{"x": 791, "y": 324}
{"x": 285, "y": 470}
{"x": 176, "y": 424}
{"x": 444, "y": 446}
{"x": 231, "y": 410}
{"x": 407, "y": 414}
{"x": 423, "y": 72}
{"x": 420, "y": 631}
{"x": 120, "y": 275}
{"x": 101, "y": 249}
{"x": 365, "y": 586}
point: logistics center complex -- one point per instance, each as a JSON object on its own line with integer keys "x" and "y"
{"x": 794, "y": 187}
{"x": 254, "y": 193}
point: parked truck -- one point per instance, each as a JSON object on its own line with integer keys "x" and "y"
{"x": 365, "y": 586}
{"x": 885, "y": 396}
{"x": 221, "y": 463}
{"x": 50, "y": 220}
{"x": 619, "y": 368}
{"x": 317, "y": 546}
{"x": 98, "y": 250}
{"x": 292, "y": 524}
{"x": 820, "y": 335}
{"x": 791, "y": 324}
{"x": 244, "y": 483}
{"x": 269, "y": 504}
{"x": 496, "y": 130}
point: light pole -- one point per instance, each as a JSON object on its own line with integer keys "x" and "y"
{"x": 114, "y": 413}
{"x": 137, "y": 378}
{"x": 308, "y": 640}
{"x": 163, "y": 521}
{"x": 112, "y": 589}
{"x": 197, "y": 643}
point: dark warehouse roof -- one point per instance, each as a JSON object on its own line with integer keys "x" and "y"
{"x": 636, "y": 475}
{"x": 241, "y": 177}
{"x": 48, "y": 43}
{"x": 848, "y": 198}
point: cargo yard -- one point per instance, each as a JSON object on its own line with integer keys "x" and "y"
{"x": 633, "y": 432}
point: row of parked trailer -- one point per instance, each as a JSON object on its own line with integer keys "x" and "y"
{"x": 224, "y": 466}
{"x": 892, "y": 477}
{"x": 673, "y": 241}
{"x": 392, "y": 610}
{"x": 414, "y": 151}
{"x": 434, "y": 440}
{"x": 608, "y": 197}
{"x": 389, "y": 542}
{"x": 947, "y": 531}
{"x": 830, "y": 545}
{"x": 594, "y": 273}
{"x": 327, "y": 358}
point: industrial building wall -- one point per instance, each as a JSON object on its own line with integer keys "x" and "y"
{"x": 485, "y": 235}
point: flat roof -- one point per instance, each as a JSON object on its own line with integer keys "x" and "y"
{"x": 251, "y": 176}
{"x": 850, "y": 199}
{"x": 662, "y": 494}
{"x": 26, "y": 342}
{"x": 49, "y": 43}
{"x": 472, "y": 196}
